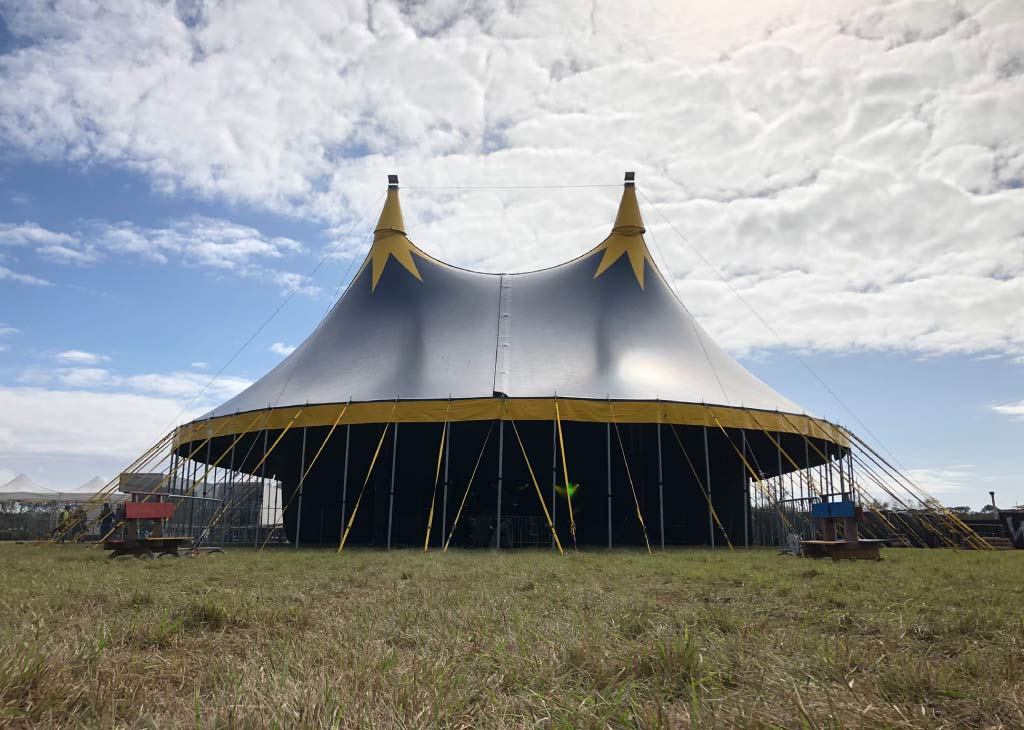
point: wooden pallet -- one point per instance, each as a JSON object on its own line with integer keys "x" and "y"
{"x": 999, "y": 543}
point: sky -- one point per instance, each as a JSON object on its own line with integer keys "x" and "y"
{"x": 171, "y": 173}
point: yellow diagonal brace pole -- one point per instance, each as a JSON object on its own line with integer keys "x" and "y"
{"x": 951, "y": 519}
{"x": 437, "y": 477}
{"x": 533, "y": 478}
{"x": 172, "y": 473}
{"x": 565, "y": 473}
{"x": 111, "y": 487}
{"x": 629, "y": 476}
{"x": 882, "y": 486}
{"x": 927, "y": 498}
{"x": 703, "y": 491}
{"x": 302, "y": 479}
{"x": 373, "y": 462}
{"x": 778, "y": 444}
{"x": 760, "y": 485}
{"x": 469, "y": 485}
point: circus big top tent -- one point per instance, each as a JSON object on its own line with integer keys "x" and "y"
{"x": 579, "y": 404}
{"x": 415, "y": 344}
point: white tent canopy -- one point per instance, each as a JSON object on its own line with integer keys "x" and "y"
{"x": 23, "y": 489}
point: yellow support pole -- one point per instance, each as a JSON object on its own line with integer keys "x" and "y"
{"x": 536, "y": 486}
{"x": 110, "y": 488}
{"x": 469, "y": 485}
{"x": 629, "y": 476}
{"x": 175, "y": 470}
{"x": 757, "y": 478}
{"x": 373, "y": 462}
{"x": 437, "y": 477}
{"x": 565, "y": 472}
{"x": 302, "y": 479}
{"x": 703, "y": 491}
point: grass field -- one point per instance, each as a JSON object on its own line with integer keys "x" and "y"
{"x": 528, "y": 639}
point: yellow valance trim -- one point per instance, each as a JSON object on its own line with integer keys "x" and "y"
{"x": 520, "y": 409}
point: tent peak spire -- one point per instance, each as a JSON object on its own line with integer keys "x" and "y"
{"x": 629, "y": 221}
{"x": 391, "y": 216}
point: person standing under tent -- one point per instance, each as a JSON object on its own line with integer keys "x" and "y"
{"x": 107, "y": 522}
{"x": 62, "y": 521}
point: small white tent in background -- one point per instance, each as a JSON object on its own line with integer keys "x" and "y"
{"x": 23, "y": 489}
{"x": 92, "y": 486}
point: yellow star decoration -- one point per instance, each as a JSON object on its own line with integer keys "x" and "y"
{"x": 391, "y": 244}
{"x": 632, "y": 246}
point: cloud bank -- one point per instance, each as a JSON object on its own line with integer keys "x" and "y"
{"x": 855, "y": 170}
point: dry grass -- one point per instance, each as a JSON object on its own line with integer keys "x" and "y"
{"x": 372, "y": 639}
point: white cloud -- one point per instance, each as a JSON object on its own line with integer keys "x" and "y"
{"x": 95, "y": 420}
{"x": 6, "y": 273}
{"x": 959, "y": 479}
{"x": 182, "y": 385}
{"x": 186, "y": 385}
{"x": 855, "y": 170}
{"x": 37, "y": 421}
{"x": 81, "y": 357}
{"x": 200, "y": 365}
{"x": 6, "y": 331}
{"x": 85, "y": 377}
{"x": 211, "y": 243}
{"x": 279, "y": 348}
{"x": 216, "y": 244}
{"x": 1013, "y": 410}
{"x": 31, "y": 234}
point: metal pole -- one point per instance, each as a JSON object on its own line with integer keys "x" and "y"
{"x": 302, "y": 481}
{"x": 608, "y": 444}
{"x": 344, "y": 480}
{"x": 444, "y": 501}
{"x": 391, "y": 500}
{"x": 230, "y": 480}
{"x": 849, "y": 467}
{"x": 661, "y": 494}
{"x": 174, "y": 486}
{"x": 501, "y": 448}
{"x": 778, "y": 454}
{"x": 263, "y": 493}
{"x": 804, "y": 497}
{"x": 843, "y": 486}
{"x": 554, "y": 474}
{"x": 206, "y": 471}
{"x": 707, "y": 479}
{"x": 746, "y": 490}
{"x": 828, "y": 471}
{"x": 192, "y": 502}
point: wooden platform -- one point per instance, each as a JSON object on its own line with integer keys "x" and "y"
{"x": 841, "y": 549}
{"x": 147, "y": 547}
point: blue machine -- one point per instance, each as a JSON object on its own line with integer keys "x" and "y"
{"x": 842, "y": 508}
